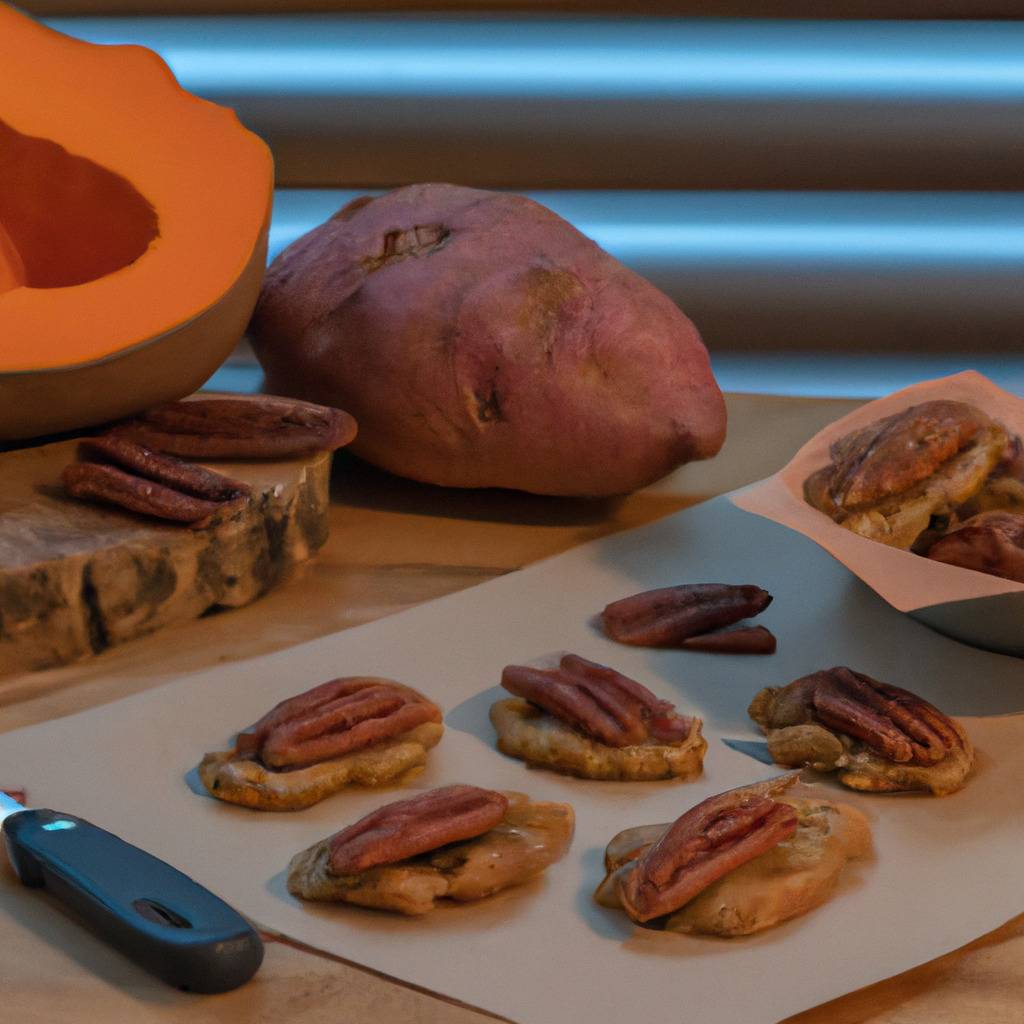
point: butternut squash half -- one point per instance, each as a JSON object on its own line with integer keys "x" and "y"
{"x": 133, "y": 231}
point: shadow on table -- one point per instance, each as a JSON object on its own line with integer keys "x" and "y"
{"x": 37, "y": 911}
{"x": 357, "y": 483}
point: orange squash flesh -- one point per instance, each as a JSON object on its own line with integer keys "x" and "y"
{"x": 69, "y": 220}
{"x": 12, "y": 270}
{"x": 128, "y": 207}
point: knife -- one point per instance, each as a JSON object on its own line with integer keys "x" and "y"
{"x": 757, "y": 749}
{"x": 151, "y": 912}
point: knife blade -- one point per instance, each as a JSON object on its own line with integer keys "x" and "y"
{"x": 757, "y": 749}
{"x": 157, "y": 916}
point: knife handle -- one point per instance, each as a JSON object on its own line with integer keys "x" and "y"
{"x": 151, "y": 912}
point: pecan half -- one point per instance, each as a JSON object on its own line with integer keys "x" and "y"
{"x": 666, "y": 617}
{"x": 899, "y": 451}
{"x": 407, "y": 828}
{"x": 894, "y": 722}
{"x": 334, "y": 719}
{"x": 236, "y": 428}
{"x": 990, "y": 542}
{"x": 706, "y": 843}
{"x": 1012, "y": 462}
{"x": 897, "y": 723}
{"x": 748, "y": 640}
{"x": 121, "y": 472}
{"x": 610, "y": 707}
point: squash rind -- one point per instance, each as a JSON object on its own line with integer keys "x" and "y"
{"x": 161, "y": 369}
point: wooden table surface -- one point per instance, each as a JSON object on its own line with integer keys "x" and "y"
{"x": 394, "y": 544}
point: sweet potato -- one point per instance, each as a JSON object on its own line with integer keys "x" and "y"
{"x": 480, "y": 340}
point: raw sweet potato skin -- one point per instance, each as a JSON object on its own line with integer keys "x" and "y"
{"x": 482, "y": 341}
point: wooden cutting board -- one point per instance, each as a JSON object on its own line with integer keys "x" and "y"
{"x": 76, "y": 578}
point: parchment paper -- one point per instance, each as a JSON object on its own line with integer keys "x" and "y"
{"x": 946, "y": 870}
{"x": 905, "y": 580}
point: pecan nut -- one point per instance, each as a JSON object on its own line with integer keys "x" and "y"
{"x": 904, "y": 478}
{"x": 240, "y": 428}
{"x": 747, "y": 640}
{"x": 990, "y": 542}
{"x": 706, "y": 843}
{"x": 334, "y": 719}
{"x": 121, "y": 472}
{"x": 1012, "y": 462}
{"x": 667, "y": 617}
{"x": 899, "y": 451}
{"x": 418, "y": 825}
{"x": 894, "y": 722}
{"x": 610, "y": 707}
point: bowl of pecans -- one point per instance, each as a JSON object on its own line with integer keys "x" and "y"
{"x": 921, "y": 495}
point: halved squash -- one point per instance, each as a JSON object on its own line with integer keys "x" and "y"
{"x": 133, "y": 231}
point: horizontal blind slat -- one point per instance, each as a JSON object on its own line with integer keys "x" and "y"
{"x": 820, "y": 9}
{"x": 598, "y": 103}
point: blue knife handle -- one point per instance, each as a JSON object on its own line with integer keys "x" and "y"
{"x": 151, "y": 912}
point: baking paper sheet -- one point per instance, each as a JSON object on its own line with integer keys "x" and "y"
{"x": 943, "y": 593}
{"x": 945, "y": 870}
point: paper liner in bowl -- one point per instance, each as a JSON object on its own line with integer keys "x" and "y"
{"x": 982, "y": 610}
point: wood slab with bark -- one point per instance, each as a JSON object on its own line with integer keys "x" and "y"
{"x": 77, "y": 577}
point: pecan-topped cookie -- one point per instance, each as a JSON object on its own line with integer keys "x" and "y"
{"x": 588, "y": 720}
{"x": 878, "y": 737}
{"x": 735, "y": 864}
{"x": 895, "y": 479}
{"x": 458, "y": 843}
{"x": 360, "y": 730}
